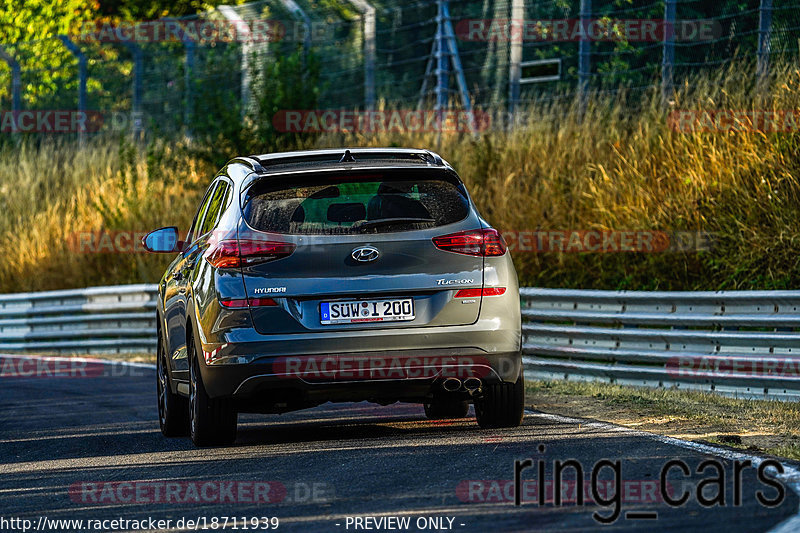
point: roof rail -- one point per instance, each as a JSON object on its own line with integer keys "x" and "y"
{"x": 348, "y": 156}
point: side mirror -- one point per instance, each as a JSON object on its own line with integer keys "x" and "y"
{"x": 163, "y": 241}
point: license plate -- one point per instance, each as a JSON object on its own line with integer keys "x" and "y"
{"x": 355, "y": 311}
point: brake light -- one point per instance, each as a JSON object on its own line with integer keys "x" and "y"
{"x": 480, "y": 242}
{"x": 477, "y": 293}
{"x": 237, "y": 254}
{"x": 240, "y": 303}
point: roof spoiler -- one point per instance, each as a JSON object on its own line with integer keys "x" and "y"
{"x": 350, "y": 155}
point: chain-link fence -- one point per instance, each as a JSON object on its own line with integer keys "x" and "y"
{"x": 183, "y": 76}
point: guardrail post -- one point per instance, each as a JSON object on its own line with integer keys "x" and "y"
{"x": 82, "y": 76}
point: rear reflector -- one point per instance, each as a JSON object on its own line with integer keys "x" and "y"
{"x": 480, "y": 242}
{"x": 242, "y": 302}
{"x": 236, "y": 254}
{"x": 262, "y": 302}
{"x": 234, "y": 304}
{"x": 477, "y": 293}
{"x": 494, "y": 291}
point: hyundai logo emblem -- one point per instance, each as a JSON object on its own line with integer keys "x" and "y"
{"x": 365, "y": 254}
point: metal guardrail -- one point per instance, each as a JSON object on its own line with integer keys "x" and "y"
{"x": 95, "y": 320}
{"x": 743, "y": 343}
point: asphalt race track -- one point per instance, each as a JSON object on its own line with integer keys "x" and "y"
{"x": 90, "y": 449}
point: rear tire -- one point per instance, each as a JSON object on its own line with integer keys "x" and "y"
{"x": 501, "y": 405}
{"x": 446, "y": 409}
{"x": 212, "y": 422}
{"x": 173, "y": 410}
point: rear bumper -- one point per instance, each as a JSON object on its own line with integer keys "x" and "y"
{"x": 303, "y": 380}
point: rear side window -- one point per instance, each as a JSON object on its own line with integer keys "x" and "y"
{"x": 198, "y": 219}
{"x": 355, "y": 205}
{"x": 215, "y": 207}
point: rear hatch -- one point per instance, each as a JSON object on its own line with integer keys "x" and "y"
{"x": 358, "y": 249}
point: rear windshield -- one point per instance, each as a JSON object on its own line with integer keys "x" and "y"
{"x": 355, "y": 205}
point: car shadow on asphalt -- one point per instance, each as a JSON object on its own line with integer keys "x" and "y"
{"x": 317, "y": 430}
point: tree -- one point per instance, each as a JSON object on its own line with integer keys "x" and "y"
{"x": 28, "y": 31}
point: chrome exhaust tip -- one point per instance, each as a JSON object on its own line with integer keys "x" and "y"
{"x": 472, "y": 384}
{"x": 451, "y": 384}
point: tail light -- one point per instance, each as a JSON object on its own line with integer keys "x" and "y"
{"x": 481, "y": 242}
{"x": 477, "y": 293}
{"x": 242, "y": 253}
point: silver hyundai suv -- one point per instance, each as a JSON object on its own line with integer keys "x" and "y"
{"x": 336, "y": 275}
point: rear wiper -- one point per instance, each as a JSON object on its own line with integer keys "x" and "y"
{"x": 389, "y": 221}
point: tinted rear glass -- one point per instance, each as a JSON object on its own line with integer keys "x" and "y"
{"x": 355, "y": 205}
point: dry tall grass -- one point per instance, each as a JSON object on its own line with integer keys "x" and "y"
{"x": 51, "y": 192}
{"x": 614, "y": 170}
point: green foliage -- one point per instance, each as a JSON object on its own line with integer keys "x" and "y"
{"x": 153, "y": 9}
{"x": 289, "y": 82}
{"x": 28, "y": 31}
{"x": 28, "y": 20}
{"x": 281, "y": 82}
